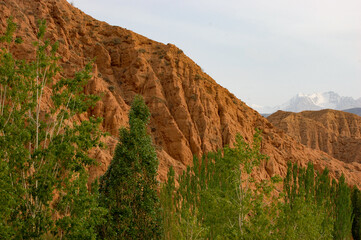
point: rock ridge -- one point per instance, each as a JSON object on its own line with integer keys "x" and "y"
{"x": 190, "y": 113}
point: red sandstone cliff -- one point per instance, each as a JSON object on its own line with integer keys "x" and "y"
{"x": 191, "y": 113}
{"x": 334, "y": 132}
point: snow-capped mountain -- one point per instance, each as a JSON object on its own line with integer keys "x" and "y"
{"x": 315, "y": 101}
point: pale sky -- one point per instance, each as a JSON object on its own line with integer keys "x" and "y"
{"x": 263, "y": 51}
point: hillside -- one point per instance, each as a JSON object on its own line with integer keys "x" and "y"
{"x": 335, "y": 132}
{"x": 191, "y": 113}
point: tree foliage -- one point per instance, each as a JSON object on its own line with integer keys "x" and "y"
{"x": 44, "y": 150}
{"x": 307, "y": 200}
{"x": 356, "y": 206}
{"x": 343, "y": 211}
{"x": 129, "y": 187}
{"x": 215, "y": 199}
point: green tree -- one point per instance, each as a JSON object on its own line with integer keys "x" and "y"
{"x": 214, "y": 200}
{"x": 302, "y": 220}
{"x": 343, "y": 211}
{"x": 217, "y": 198}
{"x": 129, "y": 186}
{"x": 312, "y": 198}
{"x": 356, "y": 206}
{"x": 307, "y": 200}
{"x": 168, "y": 205}
{"x": 44, "y": 150}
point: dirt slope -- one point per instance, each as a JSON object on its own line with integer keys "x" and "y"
{"x": 335, "y": 132}
{"x": 191, "y": 113}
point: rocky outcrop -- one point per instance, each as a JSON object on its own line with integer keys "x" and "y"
{"x": 191, "y": 113}
{"x": 335, "y": 132}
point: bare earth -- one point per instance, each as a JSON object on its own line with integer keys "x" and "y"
{"x": 191, "y": 113}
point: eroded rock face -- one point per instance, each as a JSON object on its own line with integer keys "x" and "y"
{"x": 191, "y": 113}
{"x": 334, "y": 132}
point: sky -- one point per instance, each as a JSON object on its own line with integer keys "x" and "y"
{"x": 263, "y": 51}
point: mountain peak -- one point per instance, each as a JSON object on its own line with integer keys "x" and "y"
{"x": 315, "y": 101}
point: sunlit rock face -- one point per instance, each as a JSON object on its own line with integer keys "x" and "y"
{"x": 191, "y": 113}
{"x": 335, "y": 132}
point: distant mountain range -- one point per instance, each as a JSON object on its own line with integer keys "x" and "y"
{"x": 316, "y": 101}
{"x": 356, "y": 111}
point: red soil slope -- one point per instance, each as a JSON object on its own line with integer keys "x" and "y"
{"x": 191, "y": 113}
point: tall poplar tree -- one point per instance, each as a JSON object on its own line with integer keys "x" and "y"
{"x": 343, "y": 211}
{"x": 214, "y": 200}
{"x": 129, "y": 187}
{"x": 356, "y": 205}
{"x": 306, "y": 201}
{"x": 44, "y": 151}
